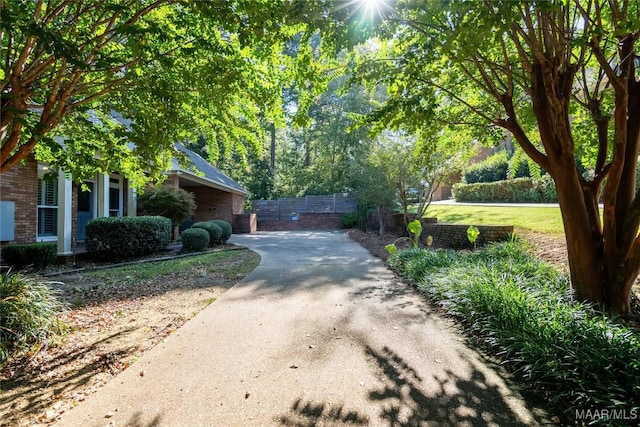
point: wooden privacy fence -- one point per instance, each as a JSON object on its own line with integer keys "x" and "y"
{"x": 288, "y": 209}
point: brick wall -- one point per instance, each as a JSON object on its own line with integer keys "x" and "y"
{"x": 215, "y": 204}
{"x": 245, "y": 223}
{"x": 20, "y": 185}
{"x": 321, "y": 221}
{"x": 454, "y": 236}
{"x": 395, "y": 224}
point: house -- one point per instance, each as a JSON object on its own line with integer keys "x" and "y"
{"x": 34, "y": 208}
{"x": 216, "y": 195}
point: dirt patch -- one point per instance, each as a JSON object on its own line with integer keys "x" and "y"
{"x": 112, "y": 321}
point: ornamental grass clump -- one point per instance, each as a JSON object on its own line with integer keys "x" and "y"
{"x": 523, "y": 310}
{"x": 28, "y": 314}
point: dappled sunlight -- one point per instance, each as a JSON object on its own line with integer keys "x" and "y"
{"x": 406, "y": 394}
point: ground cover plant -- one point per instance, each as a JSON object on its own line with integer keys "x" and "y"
{"x": 28, "y": 314}
{"x": 524, "y": 311}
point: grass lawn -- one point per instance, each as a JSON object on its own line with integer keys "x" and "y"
{"x": 136, "y": 272}
{"x": 538, "y": 219}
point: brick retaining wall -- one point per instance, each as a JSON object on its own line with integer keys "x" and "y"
{"x": 396, "y": 225}
{"x": 310, "y": 221}
{"x": 454, "y": 236}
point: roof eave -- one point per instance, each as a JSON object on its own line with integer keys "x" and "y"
{"x": 207, "y": 182}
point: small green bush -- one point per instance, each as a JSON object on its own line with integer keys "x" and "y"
{"x": 225, "y": 227}
{"x": 28, "y": 314}
{"x": 349, "y": 220}
{"x": 169, "y": 202}
{"x": 119, "y": 238}
{"x": 493, "y": 168}
{"x": 518, "y": 190}
{"x": 195, "y": 240}
{"x": 214, "y": 230}
{"x": 38, "y": 255}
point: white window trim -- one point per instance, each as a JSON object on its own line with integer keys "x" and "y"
{"x": 120, "y": 186}
{"x": 42, "y": 169}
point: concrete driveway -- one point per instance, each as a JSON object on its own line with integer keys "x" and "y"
{"x": 320, "y": 334}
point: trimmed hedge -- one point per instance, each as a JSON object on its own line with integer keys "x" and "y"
{"x": 518, "y": 190}
{"x": 195, "y": 240}
{"x": 119, "y": 238}
{"x": 39, "y": 255}
{"x": 493, "y": 168}
{"x": 214, "y": 230}
{"x": 225, "y": 227}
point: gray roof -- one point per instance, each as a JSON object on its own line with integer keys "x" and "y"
{"x": 198, "y": 170}
{"x": 203, "y": 172}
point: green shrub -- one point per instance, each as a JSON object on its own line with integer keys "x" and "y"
{"x": 349, "y": 220}
{"x": 169, "y": 202}
{"x": 522, "y": 309}
{"x": 214, "y": 230}
{"x": 225, "y": 227}
{"x": 518, "y": 190}
{"x": 28, "y": 314}
{"x": 493, "y": 168}
{"x": 195, "y": 240}
{"x": 118, "y": 238}
{"x": 38, "y": 255}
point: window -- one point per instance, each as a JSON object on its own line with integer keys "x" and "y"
{"x": 115, "y": 196}
{"x": 47, "y": 225}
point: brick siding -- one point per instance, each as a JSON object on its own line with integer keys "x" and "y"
{"x": 245, "y": 223}
{"x": 20, "y": 185}
{"x": 215, "y": 204}
{"x": 454, "y": 236}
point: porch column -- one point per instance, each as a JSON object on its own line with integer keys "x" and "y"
{"x": 65, "y": 213}
{"x": 132, "y": 201}
{"x": 102, "y": 184}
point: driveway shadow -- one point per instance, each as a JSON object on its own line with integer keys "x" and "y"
{"x": 403, "y": 398}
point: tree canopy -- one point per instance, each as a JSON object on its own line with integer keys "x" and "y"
{"x": 170, "y": 69}
{"x": 562, "y": 77}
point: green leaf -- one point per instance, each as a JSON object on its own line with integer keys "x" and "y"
{"x": 391, "y": 248}
{"x": 472, "y": 233}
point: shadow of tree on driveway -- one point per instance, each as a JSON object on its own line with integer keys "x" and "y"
{"x": 308, "y": 414}
{"x": 403, "y": 398}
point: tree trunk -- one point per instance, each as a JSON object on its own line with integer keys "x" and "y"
{"x": 585, "y": 255}
{"x": 597, "y": 276}
{"x": 380, "y": 213}
{"x": 272, "y": 151}
{"x": 618, "y": 291}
